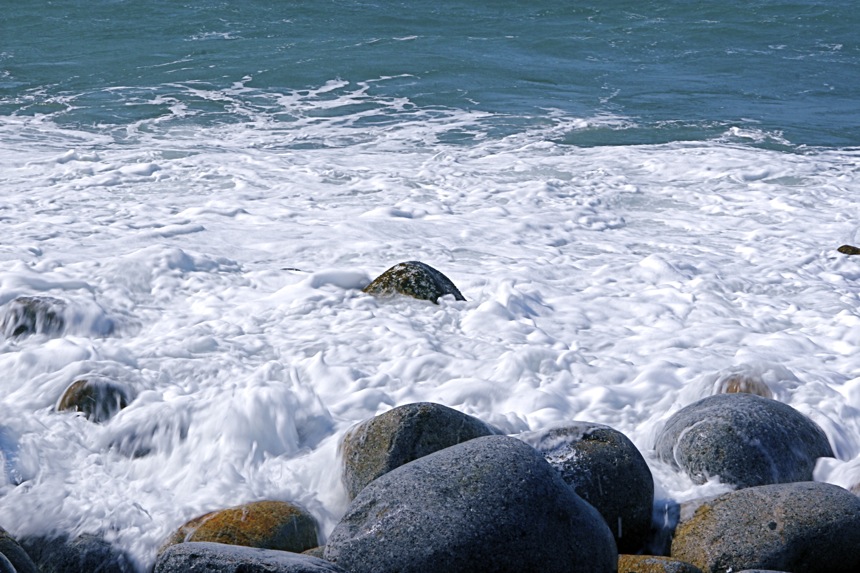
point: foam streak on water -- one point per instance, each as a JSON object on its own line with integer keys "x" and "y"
{"x": 607, "y": 284}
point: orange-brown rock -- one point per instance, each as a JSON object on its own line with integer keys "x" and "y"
{"x": 653, "y": 564}
{"x": 263, "y": 524}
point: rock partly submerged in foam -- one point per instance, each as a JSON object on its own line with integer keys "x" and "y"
{"x": 604, "y": 467}
{"x": 63, "y": 554}
{"x": 98, "y": 399}
{"x": 744, "y": 439}
{"x": 401, "y": 435}
{"x": 415, "y": 279}
{"x": 490, "y": 504}
{"x": 654, "y": 564}
{"x": 49, "y": 316}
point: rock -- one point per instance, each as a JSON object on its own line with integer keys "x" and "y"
{"x": 221, "y": 558}
{"x": 263, "y": 524}
{"x": 87, "y": 553}
{"x": 848, "y": 250}
{"x": 491, "y": 504}
{"x": 382, "y": 443}
{"x": 98, "y": 399}
{"x": 806, "y": 527}
{"x": 415, "y": 279}
{"x": 33, "y": 315}
{"x": 604, "y": 467}
{"x": 739, "y": 383}
{"x": 315, "y": 552}
{"x": 15, "y": 554}
{"x": 6, "y": 565}
{"x": 745, "y": 440}
{"x": 654, "y": 564}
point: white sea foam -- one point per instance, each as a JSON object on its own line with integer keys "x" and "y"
{"x": 610, "y": 284}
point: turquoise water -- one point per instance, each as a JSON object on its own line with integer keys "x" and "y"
{"x": 655, "y": 71}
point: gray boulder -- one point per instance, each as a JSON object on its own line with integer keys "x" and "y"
{"x": 87, "y": 553}
{"x": 415, "y": 279}
{"x": 804, "y": 527}
{"x": 746, "y": 440}
{"x": 33, "y": 315}
{"x": 492, "y": 504}
{"x": 17, "y": 557}
{"x": 382, "y": 443}
{"x": 604, "y": 467}
{"x": 220, "y": 558}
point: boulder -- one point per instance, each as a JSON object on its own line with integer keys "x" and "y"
{"x": 6, "y": 565}
{"x": 491, "y": 504}
{"x": 742, "y": 384}
{"x": 263, "y": 524}
{"x": 604, "y": 467}
{"x": 221, "y": 558}
{"x": 98, "y": 399}
{"x": 415, "y": 279}
{"x": 27, "y": 315}
{"x": 806, "y": 527}
{"x": 744, "y": 439}
{"x": 654, "y": 564}
{"x": 315, "y": 552}
{"x": 382, "y": 443}
{"x": 89, "y": 553}
{"x": 15, "y": 554}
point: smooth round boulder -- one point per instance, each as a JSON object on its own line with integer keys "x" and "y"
{"x": 401, "y": 435}
{"x": 604, "y": 467}
{"x": 807, "y": 527}
{"x": 492, "y": 504}
{"x": 98, "y": 399}
{"x": 15, "y": 554}
{"x": 75, "y": 555}
{"x": 221, "y": 558}
{"x": 415, "y": 279}
{"x": 744, "y": 440}
{"x": 263, "y": 524}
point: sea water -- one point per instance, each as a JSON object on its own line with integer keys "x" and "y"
{"x": 637, "y": 199}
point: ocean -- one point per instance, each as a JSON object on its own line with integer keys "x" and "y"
{"x": 638, "y": 200}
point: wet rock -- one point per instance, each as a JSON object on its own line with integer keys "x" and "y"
{"x": 15, "y": 554}
{"x": 33, "y": 315}
{"x": 220, "y": 558}
{"x": 98, "y": 399}
{"x": 263, "y": 524}
{"x": 315, "y": 552}
{"x": 415, "y": 279}
{"x": 492, "y": 504}
{"x": 654, "y": 564}
{"x": 604, "y": 467}
{"x": 382, "y": 443}
{"x": 848, "y": 250}
{"x": 87, "y": 553}
{"x": 744, "y": 439}
{"x": 6, "y": 565}
{"x": 804, "y": 527}
{"x": 742, "y": 384}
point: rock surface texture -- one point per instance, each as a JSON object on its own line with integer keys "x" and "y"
{"x": 807, "y": 527}
{"x": 492, "y": 504}
{"x": 604, "y": 467}
{"x": 263, "y": 524}
{"x": 401, "y": 435}
{"x": 96, "y": 398}
{"x": 87, "y": 553}
{"x": 653, "y": 564}
{"x": 15, "y": 554}
{"x": 33, "y": 315}
{"x": 415, "y": 279}
{"x": 201, "y": 557}
{"x": 746, "y": 440}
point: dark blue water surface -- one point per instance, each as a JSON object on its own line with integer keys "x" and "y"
{"x": 669, "y": 69}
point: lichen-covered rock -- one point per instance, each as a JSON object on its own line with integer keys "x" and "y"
{"x": 382, "y": 443}
{"x": 491, "y": 504}
{"x": 807, "y": 527}
{"x": 746, "y": 440}
{"x": 96, "y": 398}
{"x": 15, "y": 554}
{"x": 220, "y": 558}
{"x": 33, "y": 315}
{"x": 654, "y": 564}
{"x": 76, "y": 555}
{"x": 263, "y": 524}
{"x": 415, "y": 279}
{"x": 604, "y": 467}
